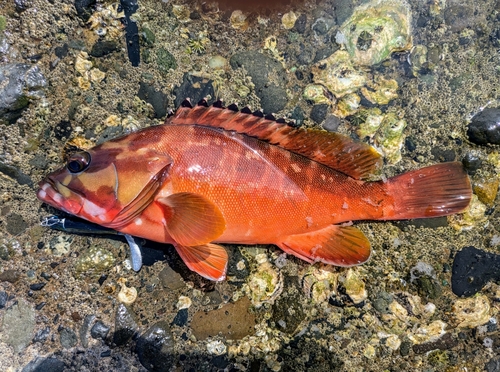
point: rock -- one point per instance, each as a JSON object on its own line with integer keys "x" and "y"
{"x": 84, "y": 8}
{"x": 445, "y": 342}
{"x": 63, "y": 130}
{"x": 3, "y": 299}
{"x": 37, "y": 286}
{"x": 165, "y": 60}
{"x": 99, "y": 330}
{"x": 486, "y": 190}
{"x": 232, "y": 321}
{"x": 156, "y": 98}
{"x": 39, "y": 162}
{"x": 457, "y": 17}
{"x": 109, "y": 133}
{"x": 15, "y": 224}
{"x": 19, "y": 83}
{"x": 42, "y": 335}
{"x": 472, "y": 269}
{"x": 155, "y": 348}
{"x": 493, "y": 365}
{"x": 195, "y": 88}
{"x": 181, "y": 318}
{"x": 272, "y": 98}
{"x": 443, "y": 155}
{"x": 298, "y": 116}
{"x": 288, "y": 311}
{"x": 300, "y": 24}
{"x": 45, "y": 365}
{"x": 61, "y": 51}
{"x": 331, "y": 123}
{"x": 10, "y": 276}
{"x": 382, "y": 301}
{"x": 268, "y": 76}
{"x": 147, "y": 36}
{"x": 171, "y": 279}
{"x": 322, "y": 25}
{"x": 15, "y": 173}
{"x": 22, "y": 5}
{"x": 319, "y": 112}
{"x": 18, "y": 325}
{"x": 484, "y": 128}
{"x": 84, "y": 330}
{"x": 67, "y": 338}
{"x": 471, "y": 163}
{"x": 94, "y": 261}
{"x": 125, "y": 325}
{"x": 103, "y": 48}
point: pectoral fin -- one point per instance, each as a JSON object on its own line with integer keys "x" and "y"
{"x": 208, "y": 260}
{"x": 335, "y": 245}
{"x": 191, "y": 219}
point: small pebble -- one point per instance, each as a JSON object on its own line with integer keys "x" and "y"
{"x": 99, "y": 330}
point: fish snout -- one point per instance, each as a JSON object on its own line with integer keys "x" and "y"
{"x": 59, "y": 196}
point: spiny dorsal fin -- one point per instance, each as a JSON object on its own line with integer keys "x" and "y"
{"x": 357, "y": 160}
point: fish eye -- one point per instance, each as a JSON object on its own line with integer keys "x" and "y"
{"x": 78, "y": 162}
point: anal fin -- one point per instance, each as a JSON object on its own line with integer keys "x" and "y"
{"x": 335, "y": 245}
{"x": 209, "y": 260}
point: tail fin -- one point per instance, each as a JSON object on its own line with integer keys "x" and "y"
{"x": 438, "y": 190}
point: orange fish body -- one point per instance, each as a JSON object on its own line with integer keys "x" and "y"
{"x": 212, "y": 175}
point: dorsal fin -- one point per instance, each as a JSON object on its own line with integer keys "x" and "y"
{"x": 355, "y": 159}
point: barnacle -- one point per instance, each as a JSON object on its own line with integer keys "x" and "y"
{"x": 105, "y": 21}
{"x": 198, "y": 44}
{"x": 319, "y": 283}
{"x": 377, "y": 29}
{"x": 265, "y": 284}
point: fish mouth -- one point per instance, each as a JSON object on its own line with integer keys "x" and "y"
{"x": 50, "y": 192}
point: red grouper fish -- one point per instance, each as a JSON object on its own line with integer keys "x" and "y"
{"x": 217, "y": 175}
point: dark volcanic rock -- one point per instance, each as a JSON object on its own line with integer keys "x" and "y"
{"x": 84, "y": 8}
{"x": 125, "y": 325}
{"x": 288, "y": 312}
{"x": 99, "y": 330}
{"x": 103, "y": 48}
{"x": 318, "y": 113}
{"x": 155, "y": 348}
{"x": 156, "y": 98}
{"x": 484, "y": 128}
{"x": 45, "y": 365}
{"x": 268, "y": 76}
{"x": 472, "y": 269}
{"x": 195, "y": 88}
{"x": 471, "y": 163}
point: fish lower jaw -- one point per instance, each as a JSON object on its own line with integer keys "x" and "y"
{"x": 49, "y": 195}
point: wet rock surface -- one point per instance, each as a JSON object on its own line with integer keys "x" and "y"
{"x": 233, "y": 321}
{"x": 155, "y": 348}
{"x": 484, "y": 128}
{"x": 269, "y": 78}
{"x": 19, "y": 83}
{"x": 472, "y": 269}
{"x": 60, "y": 292}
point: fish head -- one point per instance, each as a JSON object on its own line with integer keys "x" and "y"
{"x": 110, "y": 184}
